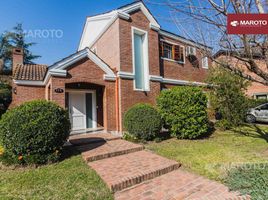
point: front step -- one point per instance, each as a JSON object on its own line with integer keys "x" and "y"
{"x": 127, "y": 170}
{"x": 89, "y": 138}
{"x": 98, "y": 151}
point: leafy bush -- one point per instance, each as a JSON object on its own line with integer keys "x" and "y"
{"x": 143, "y": 121}
{"x": 184, "y": 111}
{"x": 34, "y": 132}
{"x": 5, "y": 97}
{"x": 228, "y": 96}
{"x": 250, "y": 179}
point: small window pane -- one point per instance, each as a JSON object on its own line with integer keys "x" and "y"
{"x": 205, "y": 62}
{"x": 167, "y": 50}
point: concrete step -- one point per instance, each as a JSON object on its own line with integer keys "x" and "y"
{"x": 97, "y": 151}
{"x": 130, "y": 169}
{"x": 89, "y": 138}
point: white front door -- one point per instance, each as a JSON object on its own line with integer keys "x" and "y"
{"x": 77, "y": 109}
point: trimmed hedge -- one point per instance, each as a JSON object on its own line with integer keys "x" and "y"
{"x": 34, "y": 132}
{"x": 184, "y": 111}
{"x": 143, "y": 121}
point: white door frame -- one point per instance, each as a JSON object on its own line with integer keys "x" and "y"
{"x": 94, "y": 105}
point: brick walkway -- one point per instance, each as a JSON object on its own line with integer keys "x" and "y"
{"x": 136, "y": 174}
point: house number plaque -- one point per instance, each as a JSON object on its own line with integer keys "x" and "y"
{"x": 59, "y": 90}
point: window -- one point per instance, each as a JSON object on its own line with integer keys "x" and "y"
{"x": 205, "y": 62}
{"x": 167, "y": 50}
{"x": 261, "y": 96}
{"x": 140, "y": 59}
{"x": 264, "y": 107}
{"x": 172, "y": 52}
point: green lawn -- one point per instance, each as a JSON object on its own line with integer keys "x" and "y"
{"x": 212, "y": 156}
{"x": 69, "y": 179}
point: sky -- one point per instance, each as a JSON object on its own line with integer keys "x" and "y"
{"x": 56, "y": 25}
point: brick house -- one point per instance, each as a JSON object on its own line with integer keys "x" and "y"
{"x": 124, "y": 58}
{"x": 254, "y": 90}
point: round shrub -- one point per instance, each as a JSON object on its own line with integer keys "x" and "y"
{"x": 34, "y": 132}
{"x": 143, "y": 121}
{"x": 184, "y": 111}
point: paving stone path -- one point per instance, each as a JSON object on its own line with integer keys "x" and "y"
{"x": 133, "y": 173}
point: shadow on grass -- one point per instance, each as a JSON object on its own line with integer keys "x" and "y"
{"x": 68, "y": 152}
{"x": 211, "y": 130}
{"x": 253, "y": 130}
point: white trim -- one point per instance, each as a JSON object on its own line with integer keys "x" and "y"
{"x": 125, "y": 75}
{"x": 172, "y": 36}
{"x": 94, "y": 104}
{"x": 113, "y": 19}
{"x": 175, "y": 61}
{"x": 135, "y": 30}
{"x": 176, "y": 81}
{"x": 140, "y": 5}
{"x": 170, "y": 42}
{"x": 156, "y": 78}
{"x": 59, "y": 68}
{"x": 120, "y": 13}
{"x": 182, "y": 82}
{"x": 153, "y": 27}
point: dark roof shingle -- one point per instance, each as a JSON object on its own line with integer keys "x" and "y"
{"x": 30, "y": 72}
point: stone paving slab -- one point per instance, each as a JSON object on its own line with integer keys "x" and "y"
{"x": 127, "y": 170}
{"x": 179, "y": 185}
{"x": 88, "y": 138}
{"x": 98, "y": 151}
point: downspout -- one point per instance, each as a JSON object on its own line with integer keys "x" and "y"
{"x": 117, "y": 103}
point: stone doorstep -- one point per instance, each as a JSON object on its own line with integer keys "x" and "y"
{"x": 89, "y": 138}
{"x": 96, "y": 151}
{"x": 128, "y": 170}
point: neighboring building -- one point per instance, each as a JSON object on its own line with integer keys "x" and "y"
{"x": 255, "y": 90}
{"x": 124, "y": 58}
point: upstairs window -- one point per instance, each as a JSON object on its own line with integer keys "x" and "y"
{"x": 172, "y": 52}
{"x": 140, "y": 59}
{"x": 205, "y": 62}
{"x": 167, "y": 48}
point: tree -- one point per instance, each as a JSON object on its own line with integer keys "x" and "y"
{"x": 227, "y": 95}
{"x": 206, "y": 22}
{"x": 11, "y": 39}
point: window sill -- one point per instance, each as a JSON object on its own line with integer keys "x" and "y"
{"x": 171, "y": 60}
{"x": 141, "y": 90}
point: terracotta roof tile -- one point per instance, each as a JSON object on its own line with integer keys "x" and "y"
{"x": 30, "y": 72}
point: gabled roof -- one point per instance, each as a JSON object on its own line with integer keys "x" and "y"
{"x": 96, "y": 25}
{"x": 31, "y": 72}
{"x": 59, "y": 69}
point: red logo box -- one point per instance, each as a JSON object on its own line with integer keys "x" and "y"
{"x": 247, "y": 24}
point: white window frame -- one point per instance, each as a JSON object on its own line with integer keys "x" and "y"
{"x": 205, "y": 60}
{"x": 135, "y": 30}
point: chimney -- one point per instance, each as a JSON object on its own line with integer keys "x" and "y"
{"x": 17, "y": 58}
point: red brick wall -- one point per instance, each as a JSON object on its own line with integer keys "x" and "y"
{"x": 128, "y": 96}
{"x": 26, "y": 93}
{"x": 85, "y": 71}
{"x": 187, "y": 71}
